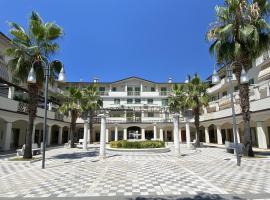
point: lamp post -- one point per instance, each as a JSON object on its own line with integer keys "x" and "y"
{"x": 243, "y": 80}
{"x": 32, "y": 79}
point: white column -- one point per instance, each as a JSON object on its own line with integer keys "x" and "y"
{"x": 85, "y": 133}
{"x": 50, "y": 106}
{"x": 155, "y": 132}
{"x": 60, "y": 135}
{"x": 89, "y": 136}
{"x": 7, "y": 136}
{"x": 141, "y": 87}
{"x": 10, "y": 92}
{"x": 180, "y": 135}
{"x": 102, "y": 150}
{"x": 107, "y": 135}
{"x": 219, "y": 136}
{"x": 187, "y": 133}
{"x": 116, "y": 133}
{"x": 176, "y": 135}
{"x": 49, "y": 133}
{"x": 206, "y": 132}
{"x": 143, "y": 134}
{"x": 161, "y": 137}
{"x": 261, "y": 135}
{"x": 125, "y": 134}
{"x": 238, "y": 134}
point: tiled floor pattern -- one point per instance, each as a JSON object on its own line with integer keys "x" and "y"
{"x": 74, "y": 173}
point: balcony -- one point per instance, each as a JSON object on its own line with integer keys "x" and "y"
{"x": 149, "y": 94}
{"x": 265, "y": 71}
{"x": 164, "y": 93}
{"x": 103, "y": 93}
{"x": 133, "y": 93}
{"x": 223, "y": 83}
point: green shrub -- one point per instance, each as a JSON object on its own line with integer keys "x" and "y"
{"x": 137, "y": 144}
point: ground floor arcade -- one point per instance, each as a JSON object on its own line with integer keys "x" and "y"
{"x": 13, "y": 129}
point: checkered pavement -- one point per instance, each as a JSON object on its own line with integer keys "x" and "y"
{"x": 75, "y": 173}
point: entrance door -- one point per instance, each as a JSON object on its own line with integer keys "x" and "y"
{"x": 134, "y": 132}
{"x": 149, "y": 135}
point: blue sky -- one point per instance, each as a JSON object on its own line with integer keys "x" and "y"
{"x": 114, "y": 39}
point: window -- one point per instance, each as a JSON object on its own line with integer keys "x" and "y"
{"x": 116, "y": 101}
{"x": 114, "y": 89}
{"x": 165, "y": 102}
{"x": 251, "y": 81}
{"x": 101, "y": 89}
{"x": 153, "y": 89}
{"x": 163, "y": 91}
{"x": 137, "y": 101}
{"x": 224, "y": 93}
{"x": 150, "y": 101}
{"x": 150, "y": 114}
{"x": 129, "y": 101}
{"x": 236, "y": 88}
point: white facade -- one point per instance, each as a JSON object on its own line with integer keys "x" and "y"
{"x": 139, "y": 106}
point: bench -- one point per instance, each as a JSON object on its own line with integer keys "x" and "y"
{"x": 35, "y": 150}
{"x": 230, "y": 146}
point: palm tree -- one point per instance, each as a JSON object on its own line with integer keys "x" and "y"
{"x": 195, "y": 98}
{"x": 176, "y": 99}
{"x": 38, "y": 42}
{"x": 241, "y": 33}
{"x": 91, "y": 102}
{"x": 72, "y": 106}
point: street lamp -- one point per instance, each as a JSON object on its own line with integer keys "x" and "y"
{"x": 243, "y": 80}
{"x": 32, "y": 79}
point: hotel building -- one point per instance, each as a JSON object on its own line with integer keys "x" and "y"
{"x": 137, "y": 105}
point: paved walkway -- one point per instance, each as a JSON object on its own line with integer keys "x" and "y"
{"x": 204, "y": 172}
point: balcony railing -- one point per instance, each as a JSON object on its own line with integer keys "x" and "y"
{"x": 132, "y": 119}
{"x": 133, "y": 93}
{"x": 164, "y": 93}
{"x": 103, "y": 93}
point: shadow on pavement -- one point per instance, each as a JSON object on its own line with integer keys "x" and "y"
{"x": 200, "y": 196}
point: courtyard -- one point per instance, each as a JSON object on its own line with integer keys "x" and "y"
{"x": 203, "y": 173}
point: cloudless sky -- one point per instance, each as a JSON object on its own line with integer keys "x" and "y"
{"x": 114, "y": 39}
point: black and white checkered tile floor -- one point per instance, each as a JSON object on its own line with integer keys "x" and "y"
{"x": 74, "y": 173}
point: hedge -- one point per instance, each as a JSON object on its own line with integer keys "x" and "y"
{"x": 137, "y": 144}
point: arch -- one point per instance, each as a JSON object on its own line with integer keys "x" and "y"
{"x": 65, "y": 134}
{"x": 54, "y": 137}
{"x": 133, "y": 130}
{"x": 18, "y": 133}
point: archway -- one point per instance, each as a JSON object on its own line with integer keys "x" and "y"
{"x": 19, "y": 130}
{"x": 65, "y": 134}
{"x": 54, "y": 134}
{"x": 132, "y": 130}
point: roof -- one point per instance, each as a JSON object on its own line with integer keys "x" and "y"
{"x": 4, "y": 36}
{"x": 126, "y": 79}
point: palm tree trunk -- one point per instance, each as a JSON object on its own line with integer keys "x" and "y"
{"x": 32, "y": 110}
{"x": 72, "y": 127}
{"x": 91, "y": 118}
{"x": 197, "y": 126}
{"x": 245, "y": 108}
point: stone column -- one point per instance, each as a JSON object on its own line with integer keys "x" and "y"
{"x": 176, "y": 135}
{"x": 155, "y": 132}
{"x": 49, "y": 133}
{"x": 89, "y": 136}
{"x": 187, "y": 133}
{"x": 161, "y": 137}
{"x": 238, "y": 134}
{"x": 107, "y": 135}
{"x": 261, "y": 135}
{"x": 85, "y": 133}
{"x": 7, "y": 136}
{"x": 116, "y": 133}
{"x": 227, "y": 135}
{"x": 219, "y": 136}
{"x": 102, "y": 150}
{"x": 10, "y": 92}
{"x": 180, "y": 135}
{"x": 60, "y": 135}
{"x": 125, "y": 134}
{"x": 143, "y": 133}
{"x": 206, "y": 132}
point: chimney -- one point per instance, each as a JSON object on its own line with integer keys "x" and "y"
{"x": 96, "y": 80}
